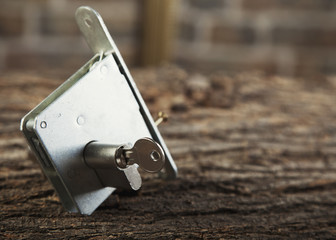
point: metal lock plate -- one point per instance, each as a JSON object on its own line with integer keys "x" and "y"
{"x": 98, "y": 103}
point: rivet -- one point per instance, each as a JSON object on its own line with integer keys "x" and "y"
{"x": 80, "y": 120}
{"x": 43, "y": 124}
{"x": 103, "y": 69}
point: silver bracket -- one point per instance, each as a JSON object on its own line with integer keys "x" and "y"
{"x": 93, "y": 132}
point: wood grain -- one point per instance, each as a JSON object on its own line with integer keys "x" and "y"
{"x": 262, "y": 165}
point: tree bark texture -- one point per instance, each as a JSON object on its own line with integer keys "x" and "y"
{"x": 256, "y": 156}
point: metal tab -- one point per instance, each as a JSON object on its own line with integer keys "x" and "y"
{"x": 94, "y": 30}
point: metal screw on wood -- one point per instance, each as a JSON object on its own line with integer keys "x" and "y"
{"x": 162, "y": 117}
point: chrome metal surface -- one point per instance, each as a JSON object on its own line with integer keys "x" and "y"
{"x": 99, "y": 155}
{"x": 99, "y": 103}
{"x": 98, "y": 107}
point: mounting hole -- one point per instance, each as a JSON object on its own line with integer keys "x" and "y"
{"x": 155, "y": 156}
{"x": 43, "y": 124}
{"x": 88, "y": 22}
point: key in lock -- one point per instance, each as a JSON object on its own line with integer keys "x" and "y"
{"x": 145, "y": 152}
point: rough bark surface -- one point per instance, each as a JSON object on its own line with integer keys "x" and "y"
{"x": 256, "y": 156}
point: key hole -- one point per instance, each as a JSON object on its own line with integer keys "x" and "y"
{"x": 155, "y": 156}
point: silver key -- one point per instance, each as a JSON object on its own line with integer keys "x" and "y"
{"x": 146, "y": 153}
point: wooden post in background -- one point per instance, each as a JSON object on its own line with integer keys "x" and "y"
{"x": 158, "y": 31}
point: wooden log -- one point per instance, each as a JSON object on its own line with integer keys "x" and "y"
{"x": 263, "y": 166}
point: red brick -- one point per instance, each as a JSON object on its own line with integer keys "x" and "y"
{"x": 52, "y": 24}
{"x": 222, "y": 34}
{"x": 304, "y": 37}
{"x": 208, "y": 4}
{"x": 187, "y": 31}
{"x": 206, "y": 66}
{"x": 11, "y": 18}
{"x": 11, "y": 26}
{"x": 289, "y": 4}
{"x": 314, "y": 61}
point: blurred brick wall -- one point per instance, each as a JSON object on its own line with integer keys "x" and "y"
{"x": 277, "y": 36}
{"x": 39, "y": 34}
